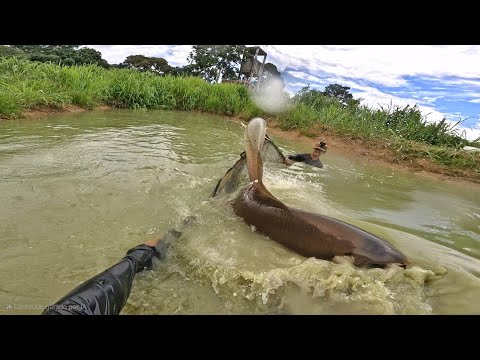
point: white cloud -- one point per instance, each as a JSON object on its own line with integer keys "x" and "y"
{"x": 444, "y": 81}
{"x": 304, "y": 76}
{"x": 385, "y": 65}
{"x": 470, "y": 133}
{"x": 376, "y": 99}
{"x": 176, "y": 55}
{"x": 298, "y": 84}
{"x": 430, "y": 100}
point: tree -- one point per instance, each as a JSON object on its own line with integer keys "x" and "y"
{"x": 271, "y": 72}
{"x": 308, "y": 96}
{"x": 62, "y": 54}
{"x": 214, "y": 61}
{"x": 182, "y": 70}
{"x": 145, "y": 63}
{"x": 318, "y": 99}
{"x": 8, "y": 51}
{"x": 90, "y": 56}
{"x": 31, "y": 49}
{"x": 339, "y": 92}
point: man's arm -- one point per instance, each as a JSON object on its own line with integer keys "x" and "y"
{"x": 107, "y": 292}
{"x": 296, "y": 157}
{"x": 291, "y": 159}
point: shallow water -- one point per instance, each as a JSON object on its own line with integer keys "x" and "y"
{"x": 78, "y": 190}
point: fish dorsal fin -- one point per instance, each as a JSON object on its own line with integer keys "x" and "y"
{"x": 265, "y": 197}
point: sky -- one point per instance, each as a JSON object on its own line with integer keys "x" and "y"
{"x": 444, "y": 80}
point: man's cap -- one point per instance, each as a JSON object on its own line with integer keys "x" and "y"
{"x": 322, "y": 146}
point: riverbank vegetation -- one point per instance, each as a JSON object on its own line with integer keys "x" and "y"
{"x": 27, "y": 85}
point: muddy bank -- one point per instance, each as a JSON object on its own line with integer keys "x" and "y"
{"x": 41, "y": 112}
{"x": 373, "y": 152}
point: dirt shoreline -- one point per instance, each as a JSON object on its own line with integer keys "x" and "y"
{"x": 368, "y": 151}
{"x": 378, "y": 155}
{"x": 41, "y": 112}
{"x": 372, "y": 152}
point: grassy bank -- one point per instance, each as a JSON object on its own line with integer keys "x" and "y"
{"x": 27, "y": 85}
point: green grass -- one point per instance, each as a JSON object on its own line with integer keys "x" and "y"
{"x": 452, "y": 158}
{"x": 26, "y": 85}
{"x": 405, "y": 129}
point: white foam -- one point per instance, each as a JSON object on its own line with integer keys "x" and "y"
{"x": 270, "y": 96}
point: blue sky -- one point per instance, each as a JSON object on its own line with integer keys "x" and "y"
{"x": 444, "y": 80}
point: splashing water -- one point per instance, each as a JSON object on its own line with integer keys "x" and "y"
{"x": 269, "y": 96}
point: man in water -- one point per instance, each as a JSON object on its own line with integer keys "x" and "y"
{"x": 107, "y": 292}
{"x": 312, "y": 159}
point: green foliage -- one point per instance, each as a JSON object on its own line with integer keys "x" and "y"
{"x": 144, "y": 63}
{"x": 8, "y": 106}
{"x": 30, "y": 84}
{"x": 60, "y": 54}
{"x": 341, "y": 93}
{"x": 8, "y": 51}
{"x": 399, "y": 122}
{"x": 212, "y": 61}
{"x": 455, "y": 159}
{"x": 271, "y": 72}
{"x": 26, "y": 84}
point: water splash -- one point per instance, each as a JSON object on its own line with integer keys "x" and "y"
{"x": 269, "y": 96}
{"x": 316, "y": 286}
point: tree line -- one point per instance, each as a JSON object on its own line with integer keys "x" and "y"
{"x": 211, "y": 62}
{"x": 206, "y": 61}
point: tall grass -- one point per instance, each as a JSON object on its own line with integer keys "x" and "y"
{"x": 406, "y": 131}
{"x": 314, "y": 109}
{"x": 25, "y": 85}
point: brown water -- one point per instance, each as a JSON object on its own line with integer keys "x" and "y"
{"x": 78, "y": 190}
